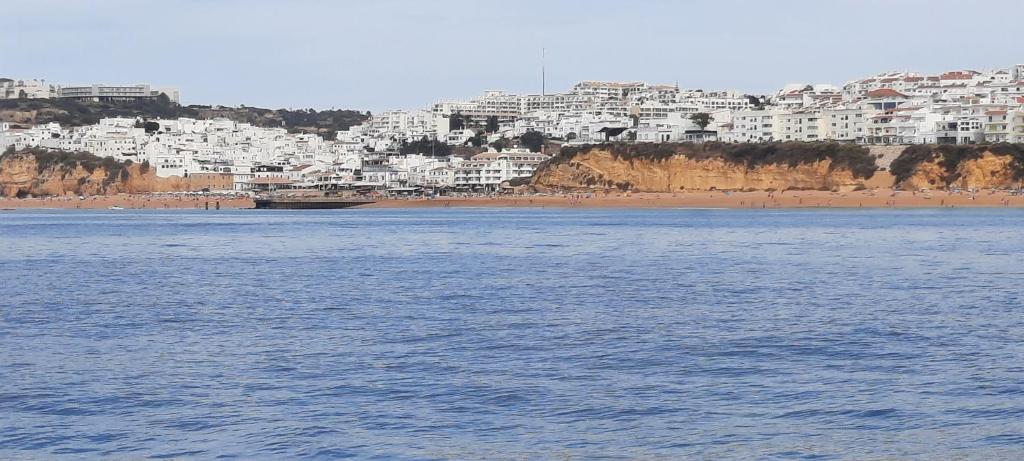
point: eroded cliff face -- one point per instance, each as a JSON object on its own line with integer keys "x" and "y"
{"x": 599, "y": 168}
{"x": 20, "y": 176}
{"x": 986, "y": 172}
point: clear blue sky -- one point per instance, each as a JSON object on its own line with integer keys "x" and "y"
{"x": 378, "y": 54}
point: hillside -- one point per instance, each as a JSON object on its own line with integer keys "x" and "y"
{"x": 712, "y": 166}
{"x": 67, "y": 112}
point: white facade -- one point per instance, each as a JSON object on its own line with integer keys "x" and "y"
{"x": 26, "y": 89}
{"x": 101, "y": 92}
{"x": 489, "y": 169}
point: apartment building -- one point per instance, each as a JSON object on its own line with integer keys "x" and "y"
{"x": 116, "y": 93}
{"x": 846, "y": 124}
{"x": 607, "y": 90}
{"x": 752, "y": 125}
{"x": 486, "y": 171}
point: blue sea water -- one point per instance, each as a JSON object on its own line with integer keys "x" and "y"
{"x": 512, "y": 334}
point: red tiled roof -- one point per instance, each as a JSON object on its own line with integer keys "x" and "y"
{"x": 956, "y": 75}
{"x": 996, "y": 112}
{"x": 884, "y": 93}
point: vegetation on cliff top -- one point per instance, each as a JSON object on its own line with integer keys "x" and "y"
{"x": 856, "y": 159}
{"x": 69, "y": 112}
{"x": 950, "y": 157}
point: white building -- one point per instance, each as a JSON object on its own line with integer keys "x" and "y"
{"x": 101, "y": 92}
{"x": 488, "y": 170}
{"x": 26, "y": 89}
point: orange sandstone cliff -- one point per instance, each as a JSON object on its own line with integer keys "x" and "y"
{"x": 670, "y": 168}
{"x": 37, "y": 173}
{"x": 997, "y": 166}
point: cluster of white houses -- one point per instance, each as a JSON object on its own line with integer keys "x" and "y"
{"x": 957, "y": 107}
{"x": 227, "y": 155}
{"x": 587, "y": 113}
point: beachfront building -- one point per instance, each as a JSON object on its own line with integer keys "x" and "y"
{"x": 486, "y": 171}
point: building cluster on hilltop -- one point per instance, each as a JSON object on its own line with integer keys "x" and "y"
{"x": 957, "y": 107}
{"x": 403, "y": 150}
{"x": 39, "y": 89}
{"x": 587, "y": 113}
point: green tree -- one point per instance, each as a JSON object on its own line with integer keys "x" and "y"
{"x": 492, "y": 124}
{"x": 501, "y": 144}
{"x": 533, "y": 140}
{"x": 425, "y": 146}
{"x": 701, "y": 119}
{"x": 479, "y": 140}
{"x": 456, "y": 122}
{"x": 163, "y": 100}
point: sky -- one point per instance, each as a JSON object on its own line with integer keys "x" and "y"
{"x": 397, "y": 54}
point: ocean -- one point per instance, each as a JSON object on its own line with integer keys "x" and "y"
{"x": 516, "y": 334}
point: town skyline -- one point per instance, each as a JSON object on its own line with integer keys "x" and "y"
{"x": 391, "y": 55}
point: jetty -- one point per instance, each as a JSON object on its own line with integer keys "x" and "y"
{"x": 307, "y": 203}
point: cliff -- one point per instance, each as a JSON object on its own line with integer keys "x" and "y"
{"x": 713, "y": 166}
{"x": 966, "y": 167}
{"x": 45, "y": 173}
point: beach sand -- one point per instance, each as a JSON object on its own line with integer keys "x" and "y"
{"x": 139, "y": 201}
{"x": 791, "y": 199}
{"x": 883, "y": 198}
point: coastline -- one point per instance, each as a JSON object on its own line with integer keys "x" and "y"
{"x": 129, "y": 201}
{"x": 882, "y": 198}
{"x": 885, "y": 198}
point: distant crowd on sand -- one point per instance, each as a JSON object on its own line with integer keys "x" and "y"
{"x": 869, "y": 198}
{"x": 133, "y": 201}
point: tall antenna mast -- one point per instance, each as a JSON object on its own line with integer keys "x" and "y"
{"x": 543, "y": 73}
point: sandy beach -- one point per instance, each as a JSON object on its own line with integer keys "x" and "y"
{"x": 127, "y": 201}
{"x": 791, "y": 199}
{"x": 884, "y": 198}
